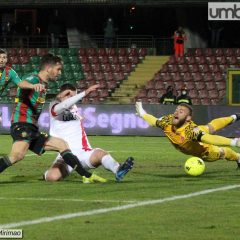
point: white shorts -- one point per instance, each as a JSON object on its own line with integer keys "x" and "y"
{"x": 83, "y": 157}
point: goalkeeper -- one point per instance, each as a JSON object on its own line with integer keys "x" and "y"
{"x": 191, "y": 139}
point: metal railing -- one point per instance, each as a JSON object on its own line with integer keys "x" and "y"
{"x": 159, "y": 46}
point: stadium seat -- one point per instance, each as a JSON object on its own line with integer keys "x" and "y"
{"x": 187, "y": 77}
{"x": 82, "y": 52}
{"x": 133, "y": 52}
{"x": 111, "y": 85}
{"x": 104, "y": 59}
{"x": 150, "y": 85}
{"x": 201, "y": 60}
{"x": 213, "y": 93}
{"x": 194, "y": 93}
{"x": 99, "y": 76}
{"x": 92, "y": 52}
{"x": 198, "y": 52}
{"x": 119, "y": 76}
{"x": 87, "y": 67}
{"x": 152, "y": 93}
{"x": 109, "y": 76}
{"x": 211, "y": 60}
{"x": 229, "y": 52}
{"x": 96, "y": 68}
{"x": 177, "y": 77}
{"x": 142, "y": 52}
{"x": 218, "y": 77}
{"x": 142, "y": 93}
{"x": 208, "y": 52}
{"x": 203, "y": 94}
{"x": 197, "y": 77}
{"x": 115, "y": 60}
{"x": 32, "y": 52}
{"x": 221, "y": 85}
{"x": 111, "y": 52}
{"x": 200, "y": 85}
{"x": 122, "y": 52}
{"x": 173, "y": 68}
{"x": 42, "y": 52}
{"x": 206, "y": 101}
{"x": 208, "y": 77}
{"x": 184, "y": 68}
{"x": 153, "y": 100}
{"x": 172, "y": 60}
{"x": 159, "y": 85}
{"x": 107, "y": 67}
{"x": 93, "y": 59}
{"x": 211, "y": 85}
{"x": 89, "y": 76}
{"x": 219, "y": 52}
{"x": 196, "y": 101}
{"x": 102, "y": 52}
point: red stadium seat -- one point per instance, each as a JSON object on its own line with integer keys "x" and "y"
{"x": 200, "y": 85}
{"x": 142, "y": 52}
{"x": 102, "y": 52}
{"x": 159, "y": 85}
{"x": 133, "y": 52}
{"x": 206, "y": 101}
{"x": 150, "y": 85}
{"x": 82, "y": 52}
{"x": 122, "y": 52}
{"x": 109, "y": 76}
{"x": 203, "y": 94}
{"x": 111, "y": 52}
{"x": 104, "y": 59}
{"x": 196, "y": 101}
{"x": 115, "y": 60}
{"x": 92, "y": 52}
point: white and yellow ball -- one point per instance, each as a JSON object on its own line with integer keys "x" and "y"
{"x": 194, "y": 166}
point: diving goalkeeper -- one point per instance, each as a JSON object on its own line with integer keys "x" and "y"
{"x": 193, "y": 139}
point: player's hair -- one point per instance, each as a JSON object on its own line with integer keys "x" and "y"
{"x": 50, "y": 59}
{"x": 2, "y": 51}
{"x": 188, "y": 107}
{"x": 67, "y": 86}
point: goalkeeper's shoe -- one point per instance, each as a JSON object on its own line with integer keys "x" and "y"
{"x": 124, "y": 169}
{"x": 94, "y": 179}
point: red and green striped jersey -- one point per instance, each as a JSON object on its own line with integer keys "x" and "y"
{"x": 29, "y": 103}
{"x": 8, "y": 74}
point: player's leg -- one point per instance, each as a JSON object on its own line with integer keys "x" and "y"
{"x": 59, "y": 145}
{"x": 58, "y": 171}
{"x": 101, "y": 157}
{"x": 218, "y": 123}
{"x": 215, "y": 153}
{"x": 21, "y": 134}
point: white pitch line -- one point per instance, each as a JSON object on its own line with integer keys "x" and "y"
{"x": 67, "y": 199}
{"x": 114, "y": 209}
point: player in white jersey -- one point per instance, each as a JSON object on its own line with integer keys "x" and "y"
{"x": 66, "y": 123}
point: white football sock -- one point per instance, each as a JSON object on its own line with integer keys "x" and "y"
{"x": 109, "y": 163}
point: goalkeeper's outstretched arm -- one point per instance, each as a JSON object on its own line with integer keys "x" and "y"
{"x": 151, "y": 120}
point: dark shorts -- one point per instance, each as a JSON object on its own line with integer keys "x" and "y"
{"x": 29, "y": 133}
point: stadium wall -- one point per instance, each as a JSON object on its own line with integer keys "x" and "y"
{"x": 121, "y": 119}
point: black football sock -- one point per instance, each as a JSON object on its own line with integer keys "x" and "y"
{"x": 72, "y": 161}
{"x": 4, "y": 163}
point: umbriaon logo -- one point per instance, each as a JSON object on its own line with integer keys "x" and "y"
{"x": 224, "y": 11}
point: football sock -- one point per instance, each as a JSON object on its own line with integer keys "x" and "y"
{"x": 4, "y": 163}
{"x": 72, "y": 161}
{"x": 230, "y": 155}
{"x": 109, "y": 163}
{"x": 220, "y": 123}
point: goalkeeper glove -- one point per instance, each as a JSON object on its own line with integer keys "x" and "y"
{"x": 139, "y": 109}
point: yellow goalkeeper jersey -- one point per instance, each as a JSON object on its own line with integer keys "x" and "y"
{"x": 185, "y": 138}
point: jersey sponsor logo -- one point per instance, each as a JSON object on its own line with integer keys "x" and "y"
{"x": 40, "y": 100}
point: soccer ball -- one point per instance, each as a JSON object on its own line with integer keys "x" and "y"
{"x": 194, "y": 166}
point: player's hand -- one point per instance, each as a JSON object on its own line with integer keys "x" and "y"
{"x": 92, "y": 88}
{"x": 139, "y": 109}
{"x": 38, "y": 87}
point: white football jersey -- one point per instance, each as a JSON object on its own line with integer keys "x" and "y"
{"x": 68, "y": 126}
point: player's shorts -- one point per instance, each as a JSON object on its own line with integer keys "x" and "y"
{"x": 83, "y": 157}
{"x": 29, "y": 133}
{"x": 212, "y": 153}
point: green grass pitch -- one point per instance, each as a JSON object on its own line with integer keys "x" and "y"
{"x": 158, "y": 174}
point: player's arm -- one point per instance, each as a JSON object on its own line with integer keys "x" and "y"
{"x": 24, "y": 84}
{"x": 151, "y": 120}
{"x": 66, "y": 104}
